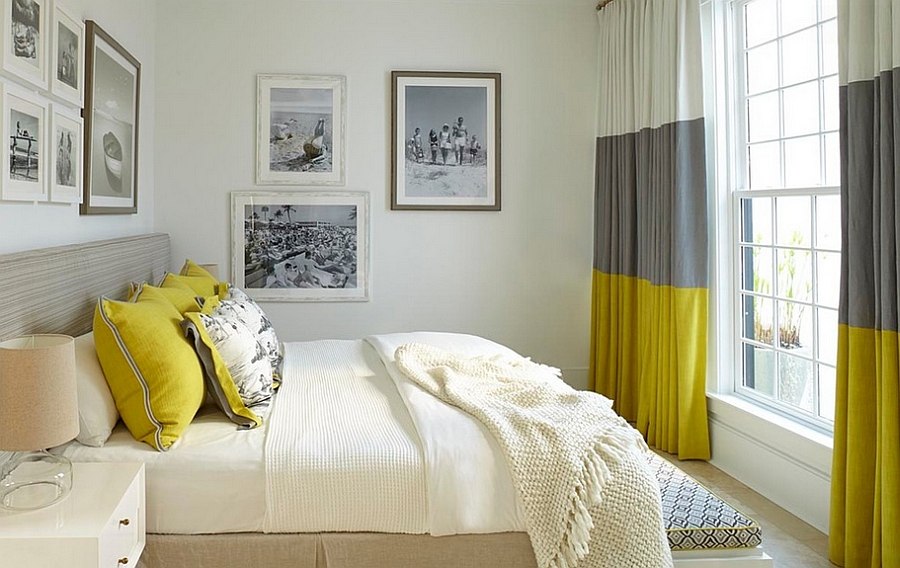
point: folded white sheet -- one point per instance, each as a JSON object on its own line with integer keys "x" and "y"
{"x": 469, "y": 485}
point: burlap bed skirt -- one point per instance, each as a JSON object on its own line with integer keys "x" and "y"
{"x": 337, "y": 550}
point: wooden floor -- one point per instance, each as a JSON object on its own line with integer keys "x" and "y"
{"x": 787, "y": 539}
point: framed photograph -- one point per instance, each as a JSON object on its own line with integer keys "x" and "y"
{"x": 65, "y": 156}
{"x": 111, "y": 102}
{"x": 67, "y": 67}
{"x": 301, "y": 246}
{"x": 445, "y": 141}
{"x": 24, "y": 122}
{"x": 300, "y": 121}
{"x": 25, "y": 39}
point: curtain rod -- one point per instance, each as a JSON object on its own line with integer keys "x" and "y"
{"x": 602, "y": 4}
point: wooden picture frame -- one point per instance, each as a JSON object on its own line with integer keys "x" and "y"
{"x": 67, "y": 53}
{"x": 24, "y": 32}
{"x": 445, "y": 141}
{"x": 111, "y": 125}
{"x": 301, "y": 246}
{"x": 300, "y": 129}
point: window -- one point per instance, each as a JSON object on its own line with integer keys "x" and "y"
{"x": 785, "y": 202}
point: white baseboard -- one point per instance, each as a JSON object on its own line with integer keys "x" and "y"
{"x": 787, "y": 468}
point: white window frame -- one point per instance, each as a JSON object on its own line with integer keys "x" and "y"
{"x": 731, "y": 175}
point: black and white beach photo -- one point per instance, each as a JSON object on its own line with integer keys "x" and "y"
{"x": 66, "y": 147}
{"x": 25, "y": 150}
{"x": 24, "y": 143}
{"x": 112, "y": 94}
{"x": 300, "y": 129}
{"x": 301, "y": 246}
{"x": 445, "y": 136}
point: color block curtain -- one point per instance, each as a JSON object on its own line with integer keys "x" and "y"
{"x": 649, "y": 318}
{"x": 865, "y": 479}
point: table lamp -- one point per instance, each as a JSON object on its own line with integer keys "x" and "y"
{"x": 38, "y": 410}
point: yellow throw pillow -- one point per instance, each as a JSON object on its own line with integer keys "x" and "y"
{"x": 201, "y": 285}
{"x": 181, "y": 295}
{"x": 152, "y": 371}
{"x": 191, "y": 268}
{"x": 245, "y": 360}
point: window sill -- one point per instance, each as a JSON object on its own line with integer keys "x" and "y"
{"x": 802, "y": 445}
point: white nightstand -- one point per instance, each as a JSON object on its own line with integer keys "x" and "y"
{"x": 100, "y": 524}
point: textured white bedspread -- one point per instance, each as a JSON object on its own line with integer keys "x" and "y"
{"x": 342, "y": 453}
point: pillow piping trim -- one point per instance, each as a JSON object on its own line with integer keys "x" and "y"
{"x": 145, "y": 388}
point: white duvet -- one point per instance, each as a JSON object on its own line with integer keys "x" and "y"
{"x": 351, "y": 447}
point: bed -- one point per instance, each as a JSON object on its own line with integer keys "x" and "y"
{"x": 192, "y": 524}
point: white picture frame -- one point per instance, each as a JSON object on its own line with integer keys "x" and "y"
{"x": 67, "y": 57}
{"x": 327, "y": 259}
{"x": 300, "y": 133}
{"x": 24, "y": 153}
{"x": 66, "y": 159}
{"x": 23, "y": 30}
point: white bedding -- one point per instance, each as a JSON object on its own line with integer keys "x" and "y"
{"x": 211, "y": 481}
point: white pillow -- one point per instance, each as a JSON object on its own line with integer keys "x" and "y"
{"x": 97, "y": 414}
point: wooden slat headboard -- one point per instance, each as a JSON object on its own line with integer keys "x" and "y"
{"x": 54, "y": 290}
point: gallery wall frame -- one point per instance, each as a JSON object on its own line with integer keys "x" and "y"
{"x": 24, "y": 33}
{"x": 67, "y": 57}
{"x": 66, "y": 155}
{"x": 112, "y": 90}
{"x": 24, "y": 152}
{"x": 300, "y": 129}
{"x": 445, "y": 141}
{"x": 301, "y": 246}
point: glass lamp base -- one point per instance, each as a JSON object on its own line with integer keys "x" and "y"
{"x": 34, "y": 480}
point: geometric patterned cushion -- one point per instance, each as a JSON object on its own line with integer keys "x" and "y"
{"x": 695, "y": 518}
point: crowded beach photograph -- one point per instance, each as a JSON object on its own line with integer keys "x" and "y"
{"x": 300, "y": 129}
{"x": 445, "y": 141}
{"x": 301, "y": 246}
{"x": 24, "y": 39}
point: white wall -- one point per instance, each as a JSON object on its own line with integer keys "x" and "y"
{"x": 521, "y": 276}
{"x": 33, "y": 225}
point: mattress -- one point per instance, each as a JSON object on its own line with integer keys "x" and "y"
{"x": 212, "y": 480}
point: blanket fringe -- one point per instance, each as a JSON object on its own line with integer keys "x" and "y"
{"x": 609, "y": 449}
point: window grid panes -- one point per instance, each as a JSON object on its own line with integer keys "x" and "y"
{"x": 787, "y": 207}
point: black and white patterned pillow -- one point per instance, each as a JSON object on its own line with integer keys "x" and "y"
{"x": 240, "y": 306}
{"x": 247, "y": 362}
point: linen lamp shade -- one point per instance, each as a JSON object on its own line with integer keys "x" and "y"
{"x": 38, "y": 400}
{"x": 38, "y": 410}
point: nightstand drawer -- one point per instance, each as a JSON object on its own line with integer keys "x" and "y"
{"x": 120, "y": 539}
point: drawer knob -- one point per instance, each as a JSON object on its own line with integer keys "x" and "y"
{"x": 125, "y": 523}
{"x": 123, "y": 560}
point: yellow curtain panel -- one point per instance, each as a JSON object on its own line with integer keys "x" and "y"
{"x": 865, "y": 473}
{"x": 648, "y": 333}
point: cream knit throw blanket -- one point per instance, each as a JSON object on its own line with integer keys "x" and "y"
{"x": 588, "y": 497}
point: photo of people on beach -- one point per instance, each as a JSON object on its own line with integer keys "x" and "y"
{"x": 444, "y": 153}
{"x": 445, "y": 140}
{"x": 66, "y": 151}
{"x": 24, "y": 133}
{"x": 297, "y": 245}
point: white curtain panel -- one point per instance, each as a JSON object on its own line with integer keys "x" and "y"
{"x": 650, "y": 64}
